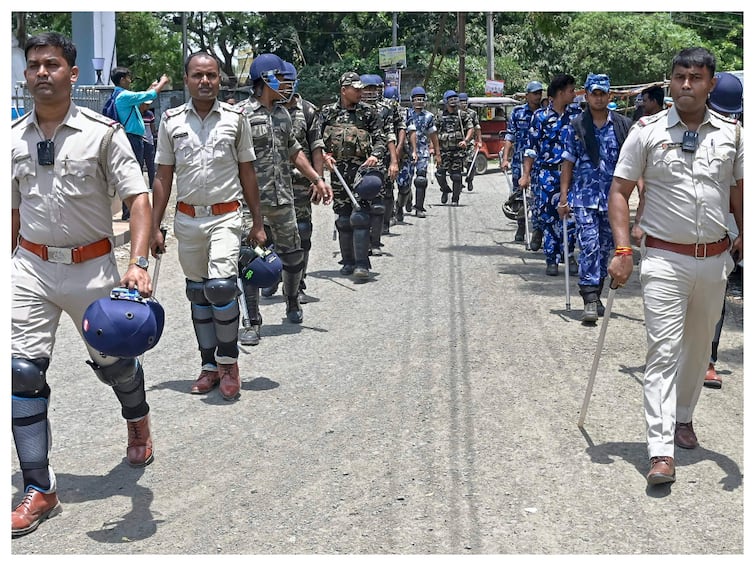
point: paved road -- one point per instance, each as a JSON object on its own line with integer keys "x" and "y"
{"x": 432, "y": 409}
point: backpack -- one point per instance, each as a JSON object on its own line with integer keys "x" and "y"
{"x": 109, "y": 108}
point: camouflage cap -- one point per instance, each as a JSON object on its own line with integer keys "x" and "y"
{"x": 351, "y": 79}
{"x": 597, "y": 82}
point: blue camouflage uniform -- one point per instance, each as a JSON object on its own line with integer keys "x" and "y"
{"x": 588, "y": 198}
{"x": 545, "y": 144}
{"x": 516, "y": 133}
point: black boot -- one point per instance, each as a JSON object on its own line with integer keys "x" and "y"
{"x": 419, "y": 205}
{"x": 590, "y": 297}
{"x": 601, "y": 306}
{"x": 291, "y": 281}
{"x": 456, "y": 192}
{"x": 519, "y": 236}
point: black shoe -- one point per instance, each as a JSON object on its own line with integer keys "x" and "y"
{"x": 590, "y": 314}
{"x": 469, "y": 185}
{"x": 573, "y": 267}
{"x": 536, "y": 240}
{"x": 444, "y": 198}
{"x": 551, "y": 269}
{"x": 347, "y": 270}
{"x": 399, "y": 215}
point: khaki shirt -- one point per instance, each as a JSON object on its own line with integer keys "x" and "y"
{"x": 205, "y": 153}
{"x": 68, "y": 204}
{"x": 274, "y": 144}
{"x": 686, "y": 193}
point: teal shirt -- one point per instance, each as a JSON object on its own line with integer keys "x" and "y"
{"x": 127, "y": 105}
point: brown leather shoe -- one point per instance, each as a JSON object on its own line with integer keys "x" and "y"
{"x": 662, "y": 470}
{"x": 712, "y": 379}
{"x": 206, "y": 382}
{"x": 230, "y": 381}
{"x": 139, "y": 451}
{"x": 33, "y": 509}
{"x": 684, "y": 436}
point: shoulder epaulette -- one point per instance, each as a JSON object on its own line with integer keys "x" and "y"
{"x": 20, "y": 119}
{"x": 97, "y": 117}
{"x": 723, "y": 117}
{"x": 231, "y": 107}
{"x": 647, "y": 120}
{"x": 170, "y": 112}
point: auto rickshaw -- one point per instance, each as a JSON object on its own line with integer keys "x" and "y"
{"x": 494, "y": 114}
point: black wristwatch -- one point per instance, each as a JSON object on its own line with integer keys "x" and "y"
{"x": 139, "y": 261}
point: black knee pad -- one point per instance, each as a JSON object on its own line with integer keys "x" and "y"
{"x": 119, "y": 373}
{"x": 28, "y": 377}
{"x": 292, "y": 261}
{"x": 343, "y": 223}
{"x": 456, "y": 177}
{"x": 305, "y": 230}
{"x": 195, "y": 292}
{"x": 221, "y": 291}
{"x": 420, "y": 182}
{"x": 360, "y": 219}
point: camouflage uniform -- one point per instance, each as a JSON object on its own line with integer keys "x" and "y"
{"x": 351, "y": 136}
{"x": 452, "y": 128}
{"x": 475, "y": 119}
{"x": 274, "y": 145}
{"x": 545, "y": 144}
{"x": 307, "y": 131}
{"x": 424, "y": 124}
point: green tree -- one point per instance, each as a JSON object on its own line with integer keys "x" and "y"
{"x": 147, "y": 48}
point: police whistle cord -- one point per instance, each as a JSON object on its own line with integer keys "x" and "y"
{"x": 346, "y": 188}
{"x": 566, "y": 262}
{"x": 598, "y": 351}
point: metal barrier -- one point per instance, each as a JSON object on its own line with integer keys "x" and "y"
{"x": 94, "y": 97}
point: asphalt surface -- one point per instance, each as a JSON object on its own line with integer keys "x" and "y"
{"x": 430, "y": 410}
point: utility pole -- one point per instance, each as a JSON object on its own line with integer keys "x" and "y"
{"x": 491, "y": 52}
{"x": 462, "y": 38}
{"x": 395, "y": 29}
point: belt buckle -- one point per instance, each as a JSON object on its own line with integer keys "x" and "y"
{"x": 59, "y": 255}
{"x": 705, "y": 251}
{"x": 202, "y": 210}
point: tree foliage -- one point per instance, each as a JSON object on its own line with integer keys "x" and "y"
{"x": 632, "y": 47}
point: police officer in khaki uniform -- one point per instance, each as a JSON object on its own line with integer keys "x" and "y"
{"x": 208, "y": 145}
{"x": 692, "y": 162}
{"x": 67, "y": 163}
{"x": 278, "y": 151}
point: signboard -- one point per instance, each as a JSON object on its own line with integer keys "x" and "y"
{"x": 393, "y": 78}
{"x": 392, "y": 57}
{"x": 494, "y": 88}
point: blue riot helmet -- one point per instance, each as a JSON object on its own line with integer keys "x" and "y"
{"x": 290, "y": 81}
{"x": 367, "y": 184}
{"x": 259, "y": 266}
{"x": 419, "y": 98}
{"x": 373, "y": 88}
{"x": 123, "y": 324}
{"x": 450, "y": 98}
{"x": 266, "y": 67}
{"x": 463, "y": 99}
{"x": 726, "y": 96}
{"x": 391, "y": 92}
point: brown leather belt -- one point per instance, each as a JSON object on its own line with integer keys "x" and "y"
{"x": 698, "y": 251}
{"x": 68, "y": 255}
{"x": 208, "y": 210}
